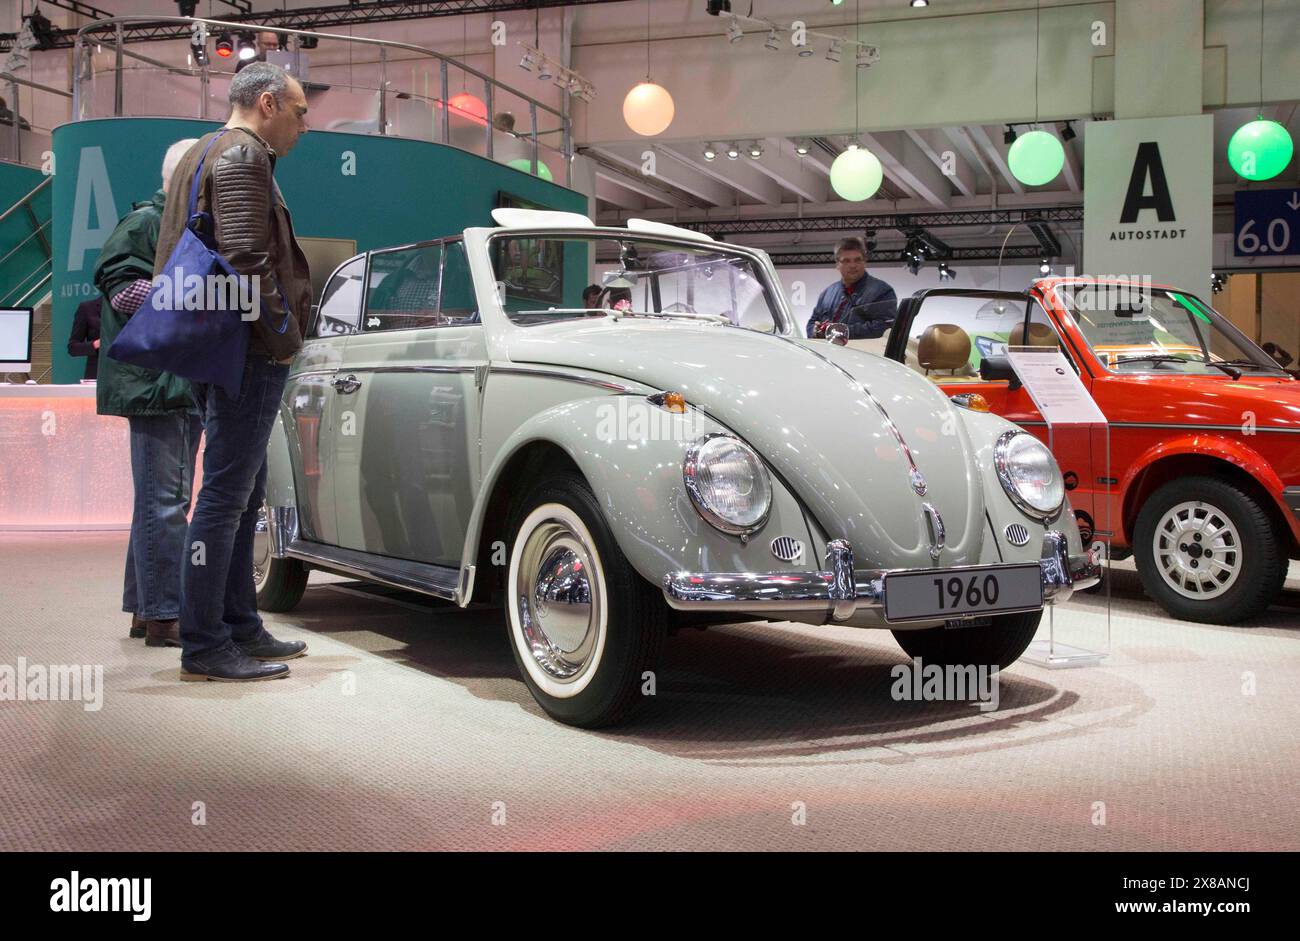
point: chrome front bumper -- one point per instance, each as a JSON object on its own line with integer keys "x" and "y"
{"x": 841, "y": 591}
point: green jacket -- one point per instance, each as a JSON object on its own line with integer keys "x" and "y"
{"x": 127, "y": 255}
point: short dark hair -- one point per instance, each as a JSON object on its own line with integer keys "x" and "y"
{"x": 850, "y": 244}
{"x": 257, "y": 77}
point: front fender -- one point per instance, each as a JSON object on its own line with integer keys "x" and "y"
{"x": 280, "y": 490}
{"x": 1207, "y": 444}
{"x": 637, "y": 479}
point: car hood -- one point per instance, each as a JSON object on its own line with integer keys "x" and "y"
{"x": 817, "y": 415}
{"x": 1272, "y": 400}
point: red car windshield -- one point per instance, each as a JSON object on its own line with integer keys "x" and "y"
{"x": 1133, "y": 328}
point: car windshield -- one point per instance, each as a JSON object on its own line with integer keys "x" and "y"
{"x": 1141, "y": 329}
{"x": 542, "y": 279}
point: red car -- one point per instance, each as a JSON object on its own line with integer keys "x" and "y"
{"x": 1200, "y": 479}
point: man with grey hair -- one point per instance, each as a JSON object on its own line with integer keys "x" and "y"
{"x": 222, "y": 635}
{"x": 164, "y": 425}
{"x": 866, "y": 306}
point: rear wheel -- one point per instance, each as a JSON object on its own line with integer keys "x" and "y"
{"x": 1207, "y": 551}
{"x": 999, "y": 643}
{"x": 280, "y": 583}
{"x": 585, "y": 628}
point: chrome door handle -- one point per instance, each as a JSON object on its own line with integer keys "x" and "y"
{"x": 345, "y": 385}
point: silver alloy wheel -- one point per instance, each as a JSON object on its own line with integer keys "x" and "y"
{"x": 557, "y": 591}
{"x": 261, "y": 549}
{"x": 1197, "y": 550}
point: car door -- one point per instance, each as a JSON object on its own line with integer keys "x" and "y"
{"x": 946, "y": 335}
{"x": 409, "y": 407}
{"x": 309, "y": 404}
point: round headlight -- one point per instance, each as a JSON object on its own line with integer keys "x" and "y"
{"x": 1029, "y": 474}
{"x": 728, "y": 483}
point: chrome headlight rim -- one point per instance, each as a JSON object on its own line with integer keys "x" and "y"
{"x": 690, "y": 477}
{"x": 1002, "y": 465}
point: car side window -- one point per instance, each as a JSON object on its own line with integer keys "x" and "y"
{"x": 951, "y": 334}
{"x": 457, "y": 304}
{"x": 402, "y": 293}
{"x": 340, "y": 305}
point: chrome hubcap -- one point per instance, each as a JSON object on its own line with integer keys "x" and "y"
{"x": 558, "y": 609}
{"x": 1197, "y": 550}
{"x": 261, "y": 548}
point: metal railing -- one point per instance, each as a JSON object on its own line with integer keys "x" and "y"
{"x": 32, "y": 283}
{"x": 14, "y": 134}
{"x": 109, "y": 32}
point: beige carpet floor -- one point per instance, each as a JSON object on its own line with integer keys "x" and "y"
{"x": 408, "y": 728}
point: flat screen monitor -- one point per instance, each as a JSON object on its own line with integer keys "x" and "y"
{"x": 15, "y": 339}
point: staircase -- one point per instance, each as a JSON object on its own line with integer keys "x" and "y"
{"x": 26, "y": 260}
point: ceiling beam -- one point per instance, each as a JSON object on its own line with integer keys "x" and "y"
{"x": 616, "y": 193}
{"x": 667, "y": 169}
{"x": 936, "y": 146}
{"x": 908, "y": 165}
{"x": 793, "y": 171}
{"x": 993, "y": 154}
{"x": 737, "y": 175}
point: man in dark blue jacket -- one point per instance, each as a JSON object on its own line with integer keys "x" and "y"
{"x": 866, "y": 305}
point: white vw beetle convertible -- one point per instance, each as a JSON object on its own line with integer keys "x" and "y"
{"x": 460, "y": 423}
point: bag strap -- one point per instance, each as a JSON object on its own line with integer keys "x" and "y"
{"x": 198, "y": 173}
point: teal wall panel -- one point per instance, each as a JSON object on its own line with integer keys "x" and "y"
{"x": 376, "y": 190}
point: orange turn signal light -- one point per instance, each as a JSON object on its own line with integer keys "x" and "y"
{"x": 673, "y": 402}
{"x": 972, "y": 401}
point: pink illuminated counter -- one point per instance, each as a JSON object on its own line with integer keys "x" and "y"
{"x": 61, "y": 465}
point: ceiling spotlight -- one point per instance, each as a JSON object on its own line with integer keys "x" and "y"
{"x": 1067, "y": 132}
{"x": 308, "y": 42}
{"x": 186, "y": 7}
{"x": 756, "y": 150}
{"x": 945, "y": 273}
{"x": 868, "y": 56}
{"x": 1216, "y": 282}
{"x": 833, "y": 53}
{"x": 526, "y": 63}
{"x": 715, "y": 7}
{"x": 772, "y": 42}
{"x": 1009, "y": 135}
{"x": 920, "y": 3}
{"x": 734, "y": 32}
{"x": 225, "y": 45}
{"x": 733, "y": 152}
{"x": 710, "y": 152}
{"x": 801, "y": 146}
{"x": 1045, "y": 268}
{"x": 544, "y": 69}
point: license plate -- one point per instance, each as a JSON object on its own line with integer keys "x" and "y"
{"x": 938, "y": 594}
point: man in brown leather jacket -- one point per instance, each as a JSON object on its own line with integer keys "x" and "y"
{"x": 222, "y": 636}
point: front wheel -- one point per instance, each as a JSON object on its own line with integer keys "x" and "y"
{"x": 280, "y": 583}
{"x": 585, "y": 628}
{"x": 1207, "y": 551}
{"x": 998, "y": 643}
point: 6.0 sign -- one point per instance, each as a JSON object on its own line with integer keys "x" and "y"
{"x": 1267, "y": 222}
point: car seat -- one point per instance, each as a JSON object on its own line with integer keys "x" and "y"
{"x": 944, "y": 348}
{"x": 1040, "y": 334}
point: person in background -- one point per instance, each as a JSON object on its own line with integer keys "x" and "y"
{"x": 164, "y": 425}
{"x": 84, "y": 340}
{"x": 7, "y": 116}
{"x": 222, "y": 635}
{"x": 591, "y": 296}
{"x": 263, "y": 42}
{"x": 866, "y": 305}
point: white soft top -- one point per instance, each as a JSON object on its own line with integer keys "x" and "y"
{"x": 553, "y": 219}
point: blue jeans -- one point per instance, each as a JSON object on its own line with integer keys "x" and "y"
{"x": 218, "y": 598}
{"x": 162, "y": 471}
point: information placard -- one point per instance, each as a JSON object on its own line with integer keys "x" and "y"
{"x": 1055, "y": 387}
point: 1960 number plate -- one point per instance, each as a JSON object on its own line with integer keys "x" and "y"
{"x": 948, "y": 593}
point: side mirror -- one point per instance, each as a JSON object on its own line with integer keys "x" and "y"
{"x": 993, "y": 368}
{"x": 837, "y": 333}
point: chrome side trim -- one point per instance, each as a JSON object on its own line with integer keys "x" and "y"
{"x": 429, "y": 368}
{"x": 556, "y": 374}
{"x": 440, "y": 581}
{"x": 1259, "y": 429}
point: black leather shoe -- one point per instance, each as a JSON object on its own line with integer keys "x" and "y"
{"x": 229, "y": 664}
{"x": 265, "y": 647}
{"x": 137, "y": 627}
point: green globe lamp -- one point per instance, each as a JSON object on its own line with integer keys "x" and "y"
{"x": 1260, "y": 150}
{"x": 526, "y": 165}
{"x": 1036, "y": 158}
{"x": 856, "y": 174}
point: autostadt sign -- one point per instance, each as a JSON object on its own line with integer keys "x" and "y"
{"x": 1266, "y": 222}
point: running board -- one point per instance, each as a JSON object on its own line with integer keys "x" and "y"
{"x": 440, "y": 581}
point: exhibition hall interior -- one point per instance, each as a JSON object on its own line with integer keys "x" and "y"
{"x": 649, "y": 425}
